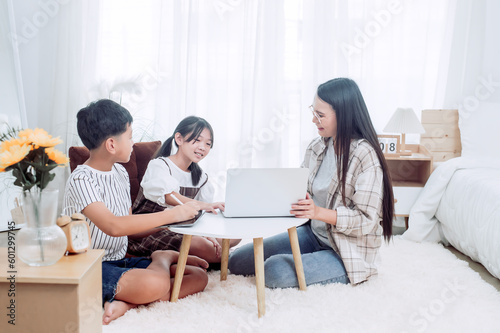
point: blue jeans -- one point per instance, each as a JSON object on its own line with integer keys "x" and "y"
{"x": 321, "y": 263}
{"x": 112, "y": 271}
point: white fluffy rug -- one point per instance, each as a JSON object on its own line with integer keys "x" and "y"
{"x": 420, "y": 288}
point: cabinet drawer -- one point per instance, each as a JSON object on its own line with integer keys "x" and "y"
{"x": 405, "y": 197}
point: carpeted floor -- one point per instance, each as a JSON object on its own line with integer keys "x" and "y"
{"x": 420, "y": 288}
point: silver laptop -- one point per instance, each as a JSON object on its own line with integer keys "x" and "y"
{"x": 264, "y": 192}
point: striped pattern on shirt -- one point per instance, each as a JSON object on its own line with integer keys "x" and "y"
{"x": 87, "y": 185}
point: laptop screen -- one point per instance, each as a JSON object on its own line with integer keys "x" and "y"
{"x": 264, "y": 192}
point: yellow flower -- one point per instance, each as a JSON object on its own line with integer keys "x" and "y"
{"x": 4, "y": 146}
{"x": 31, "y": 157}
{"x": 14, "y": 154}
{"x": 39, "y": 137}
{"x": 57, "y": 156}
{"x": 26, "y": 133}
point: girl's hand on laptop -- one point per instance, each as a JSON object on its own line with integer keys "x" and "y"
{"x": 194, "y": 204}
{"x": 305, "y": 208}
{"x": 211, "y": 207}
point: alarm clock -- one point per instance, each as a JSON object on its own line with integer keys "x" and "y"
{"x": 390, "y": 145}
{"x": 77, "y": 232}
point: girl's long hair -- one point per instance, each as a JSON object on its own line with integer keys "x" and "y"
{"x": 191, "y": 126}
{"x": 353, "y": 122}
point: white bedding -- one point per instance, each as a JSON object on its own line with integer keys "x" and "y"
{"x": 460, "y": 205}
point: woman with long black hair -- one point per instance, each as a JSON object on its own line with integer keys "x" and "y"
{"x": 349, "y": 202}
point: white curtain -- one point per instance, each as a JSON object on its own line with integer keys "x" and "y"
{"x": 472, "y": 71}
{"x": 250, "y": 67}
{"x": 57, "y": 42}
{"x": 12, "y": 113}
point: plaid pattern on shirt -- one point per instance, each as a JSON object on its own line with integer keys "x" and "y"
{"x": 163, "y": 239}
{"x": 357, "y": 236}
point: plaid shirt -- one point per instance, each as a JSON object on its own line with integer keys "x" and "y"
{"x": 357, "y": 235}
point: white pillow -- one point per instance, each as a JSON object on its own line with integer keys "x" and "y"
{"x": 480, "y": 130}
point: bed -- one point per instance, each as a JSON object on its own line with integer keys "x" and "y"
{"x": 460, "y": 203}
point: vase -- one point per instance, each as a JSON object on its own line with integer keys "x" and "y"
{"x": 41, "y": 242}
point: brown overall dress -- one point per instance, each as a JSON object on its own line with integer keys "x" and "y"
{"x": 164, "y": 239}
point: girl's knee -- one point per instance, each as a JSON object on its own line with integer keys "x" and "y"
{"x": 198, "y": 243}
{"x": 203, "y": 248}
{"x": 234, "y": 242}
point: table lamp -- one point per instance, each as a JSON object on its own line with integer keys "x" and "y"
{"x": 404, "y": 120}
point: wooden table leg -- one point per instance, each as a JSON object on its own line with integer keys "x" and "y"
{"x": 297, "y": 259}
{"x": 258, "y": 251}
{"x": 181, "y": 266}
{"x": 224, "y": 259}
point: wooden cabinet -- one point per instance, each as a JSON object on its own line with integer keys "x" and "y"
{"x": 409, "y": 175}
{"x": 64, "y": 297}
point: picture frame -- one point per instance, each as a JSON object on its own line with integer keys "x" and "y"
{"x": 390, "y": 144}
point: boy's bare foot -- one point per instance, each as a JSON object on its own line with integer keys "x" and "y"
{"x": 196, "y": 261}
{"x": 173, "y": 256}
{"x": 169, "y": 256}
{"x": 115, "y": 310}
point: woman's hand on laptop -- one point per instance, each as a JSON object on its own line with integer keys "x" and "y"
{"x": 211, "y": 207}
{"x": 305, "y": 208}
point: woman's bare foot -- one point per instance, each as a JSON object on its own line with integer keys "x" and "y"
{"x": 115, "y": 310}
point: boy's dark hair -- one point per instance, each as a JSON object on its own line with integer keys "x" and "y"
{"x": 100, "y": 120}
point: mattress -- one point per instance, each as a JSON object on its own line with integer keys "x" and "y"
{"x": 469, "y": 215}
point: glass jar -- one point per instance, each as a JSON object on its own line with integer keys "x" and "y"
{"x": 41, "y": 242}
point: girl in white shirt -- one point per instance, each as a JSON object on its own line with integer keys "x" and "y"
{"x": 181, "y": 176}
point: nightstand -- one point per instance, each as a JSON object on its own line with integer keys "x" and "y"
{"x": 409, "y": 175}
{"x": 64, "y": 297}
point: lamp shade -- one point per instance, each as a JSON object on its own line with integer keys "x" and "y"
{"x": 404, "y": 120}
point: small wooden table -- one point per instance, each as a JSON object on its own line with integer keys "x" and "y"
{"x": 211, "y": 225}
{"x": 409, "y": 175}
{"x": 64, "y": 297}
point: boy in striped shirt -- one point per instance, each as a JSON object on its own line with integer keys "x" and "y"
{"x": 100, "y": 189}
